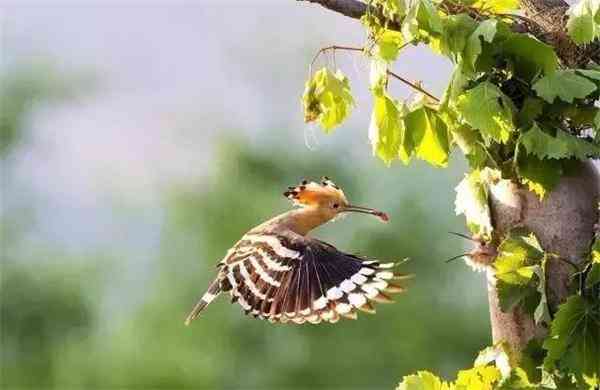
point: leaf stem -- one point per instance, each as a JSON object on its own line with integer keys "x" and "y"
{"x": 412, "y": 85}
{"x": 334, "y": 48}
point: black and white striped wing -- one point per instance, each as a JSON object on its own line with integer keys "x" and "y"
{"x": 288, "y": 277}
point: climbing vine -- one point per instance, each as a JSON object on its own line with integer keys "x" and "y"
{"x": 519, "y": 113}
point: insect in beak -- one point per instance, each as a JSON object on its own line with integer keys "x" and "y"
{"x": 365, "y": 210}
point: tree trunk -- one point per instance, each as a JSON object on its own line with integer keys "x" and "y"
{"x": 564, "y": 223}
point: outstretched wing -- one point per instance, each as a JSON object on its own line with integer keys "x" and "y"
{"x": 287, "y": 277}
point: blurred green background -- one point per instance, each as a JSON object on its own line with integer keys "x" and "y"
{"x": 126, "y": 175}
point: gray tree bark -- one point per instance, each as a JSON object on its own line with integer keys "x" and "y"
{"x": 564, "y": 223}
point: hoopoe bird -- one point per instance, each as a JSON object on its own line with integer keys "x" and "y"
{"x": 278, "y": 273}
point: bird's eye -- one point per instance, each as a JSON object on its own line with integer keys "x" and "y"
{"x": 335, "y": 205}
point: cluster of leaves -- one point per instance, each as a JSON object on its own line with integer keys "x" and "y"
{"x": 495, "y": 368}
{"x": 508, "y": 105}
{"x": 327, "y": 99}
{"x": 569, "y": 357}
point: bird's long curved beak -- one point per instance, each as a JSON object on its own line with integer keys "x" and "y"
{"x": 365, "y": 210}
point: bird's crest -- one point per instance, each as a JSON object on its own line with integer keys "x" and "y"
{"x": 310, "y": 193}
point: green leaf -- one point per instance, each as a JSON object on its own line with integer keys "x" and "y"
{"x": 429, "y": 135}
{"x": 531, "y": 359}
{"x": 388, "y": 45}
{"x": 327, "y": 99}
{"x": 520, "y": 249}
{"x": 563, "y": 145}
{"x": 565, "y": 84}
{"x": 541, "y": 176}
{"x": 478, "y": 378}
{"x": 497, "y": 6}
{"x": 500, "y": 355}
{"x": 593, "y": 74}
{"x": 378, "y": 76}
{"x": 519, "y": 259}
{"x": 584, "y": 21}
{"x": 455, "y": 88}
{"x": 531, "y": 110}
{"x": 592, "y": 381}
{"x": 470, "y": 143}
{"x": 422, "y": 380}
{"x": 597, "y": 127}
{"x": 593, "y": 276}
{"x": 422, "y": 19}
{"x": 472, "y": 201}
{"x": 517, "y": 380}
{"x": 542, "y": 311}
{"x": 578, "y": 147}
{"x": 486, "y": 31}
{"x": 391, "y": 9}
{"x": 387, "y": 129}
{"x": 543, "y": 145}
{"x": 453, "y": 40}
{"x": 529, "y": 56}
{"x": 486, "y": 108}
{"x": 574, "y": 341}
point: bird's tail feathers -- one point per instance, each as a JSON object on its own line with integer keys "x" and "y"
{"x": 213, "y": 291}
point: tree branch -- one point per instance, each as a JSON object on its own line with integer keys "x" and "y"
{"x": 548, "y": 16}
{"x": 351, "y": 8}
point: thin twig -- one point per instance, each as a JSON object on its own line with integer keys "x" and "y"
{"x": 412, "y": 85}
{"x": 334, "y": 48}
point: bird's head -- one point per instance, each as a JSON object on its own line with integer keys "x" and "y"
{"x": 326, "y": 198}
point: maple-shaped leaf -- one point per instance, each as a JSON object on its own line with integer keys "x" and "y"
{"x": 564, "y": 84}
{"x": 486, "y": 31}
{"x": 489, "y": 110}
{"x": 583, "y": 24}
{"x": 428, "y": 134}
{"x": 593, "y": 276}
{"x": 388, "y": 44}
{"x": 472, "y": 201}
{"x": 574, "y": 341}
{"x": 423, "y": 380}
{"x": 517, "y": 265}
{"x": 563, "y": 145}
{"x": 327, "y": 99}
{"x": 529, "y": 56}
{"x": 387, "y": 129}
{"x": 541, "y": 176}
{"x": 478, "y": 377}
